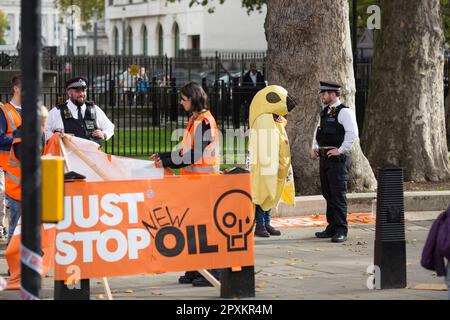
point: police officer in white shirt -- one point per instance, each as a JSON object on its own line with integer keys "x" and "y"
{"x": 333, "y": 140}
{"x": 79, "y": 117}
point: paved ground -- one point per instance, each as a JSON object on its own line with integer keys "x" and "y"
{"x": 295, "y": 265}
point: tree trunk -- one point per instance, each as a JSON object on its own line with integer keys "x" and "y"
{"x": 404, "y": 119}
{"x": 309, "y": 41}
{"x": 447, "y": 119}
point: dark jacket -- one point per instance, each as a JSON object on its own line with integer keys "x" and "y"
{"x": 260, "y": 83}
{"x": 437, "y": 246}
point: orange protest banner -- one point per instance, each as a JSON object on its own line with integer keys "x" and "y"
{"x": 178, "y": 223}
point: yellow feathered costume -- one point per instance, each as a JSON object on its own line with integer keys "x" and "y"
{"x": 270, "y": 155}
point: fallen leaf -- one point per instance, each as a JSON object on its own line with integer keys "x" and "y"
{"x": 154, "y": 287}
{"x": 101, "y": 297}
{"x": 261, "y": 285}
{"x": 273, "y": 262}
{"x": 291, "y": 264}
{"x": 431, "y": 286}
{"x": 128, "y": 291}
{"x": 256, "y": 272}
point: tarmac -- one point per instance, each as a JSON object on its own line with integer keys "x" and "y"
{"x": 293, "y": 266}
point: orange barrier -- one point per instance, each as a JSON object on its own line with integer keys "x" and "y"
{"x": 178, "y": 223}
{"x": 13, "y": 254}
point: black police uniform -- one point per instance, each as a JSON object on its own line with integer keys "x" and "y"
{"x": 333, "y": 170}
{"x": 83, "y": 126}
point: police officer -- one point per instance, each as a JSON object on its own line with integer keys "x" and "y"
{"x": 79, "y": 117}
{"x": 333, "y": 140}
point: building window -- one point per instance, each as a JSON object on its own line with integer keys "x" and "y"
{"x": 176, "y": 44}
{"x": 160, "y": 41}
{"x": 130, "y": 41}
{"x": 144, "y": 41}
{"x": 116, "y": 41}
{"x": 111, "y": 2}
{"x": 81, "y": 50}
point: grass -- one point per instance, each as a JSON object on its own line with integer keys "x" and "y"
{"x": 140, "y": 144}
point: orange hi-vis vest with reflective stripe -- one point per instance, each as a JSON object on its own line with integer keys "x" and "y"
{"x": 210, "y": 161}
{"x": 13, "y": 173}
{"x": 13, "y": 121}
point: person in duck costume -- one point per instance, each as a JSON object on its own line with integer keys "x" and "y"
{"x": 270, "y": 157}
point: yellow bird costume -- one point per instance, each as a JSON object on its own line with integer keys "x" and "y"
{"x": 270, "y": 156}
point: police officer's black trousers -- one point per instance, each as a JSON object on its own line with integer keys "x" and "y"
{"x": 333, "y": 179}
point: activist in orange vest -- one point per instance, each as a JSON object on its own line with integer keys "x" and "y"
{"x": 10, "y": 120}
{"x": 199, "y": 153}
{"x": 13, "y": 174}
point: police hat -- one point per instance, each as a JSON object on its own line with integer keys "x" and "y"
{"x": 329, "y": 86}
{"x": 77, "y": 82}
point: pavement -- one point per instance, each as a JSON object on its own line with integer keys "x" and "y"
{"x": 293, "y": 266}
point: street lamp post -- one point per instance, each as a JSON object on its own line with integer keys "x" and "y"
{"x": 31, "y": 48}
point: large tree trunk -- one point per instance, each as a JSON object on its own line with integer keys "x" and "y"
{"x": 447, "y": 119}
{"x": 404, "y": 119}
{"x": 309, "y": 41}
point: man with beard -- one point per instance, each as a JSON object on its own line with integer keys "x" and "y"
{"x": 79, "y": 117}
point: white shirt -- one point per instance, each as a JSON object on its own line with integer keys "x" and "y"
{"x": 253, "y": 77}
{"x": 55, "y": 122}
{"x": 18, "y": 108}
{"x": 347, "y": 119}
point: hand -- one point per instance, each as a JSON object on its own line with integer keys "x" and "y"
{"x": 333, "y": 153}
{"x": 98, "y": 134}
{"x": 154, "y": 157}
{"x": 158, "y": 164}
{"x": 314, "y": 153}
{"x": 59, "y": 132}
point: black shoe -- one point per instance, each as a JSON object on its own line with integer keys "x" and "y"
{"x": 272, "y": 231}
{"x": 188, "y": 277}
{"x": 324, "y": 234}
{"x": 201, "y": 282}
{"x": 260, "y": 231}
{"x": 338, "y": 237}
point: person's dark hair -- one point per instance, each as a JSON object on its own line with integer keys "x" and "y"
{"x": 199, "y": 99}
{"x": 15, "y": 81}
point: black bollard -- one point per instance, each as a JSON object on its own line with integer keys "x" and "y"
{"x": 63, "y": 292}
{"x": 390, "y": 244}
{"x": 239, "y": 284}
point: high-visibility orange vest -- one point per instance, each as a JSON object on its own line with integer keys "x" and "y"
{"x": 13, "y": 173}
{"x": 13, "y": 121}
{"x": 210, "y": 161}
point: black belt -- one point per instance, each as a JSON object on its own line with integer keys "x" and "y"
{"x": 324, "y": 150}
{"x": 323, "y": 154}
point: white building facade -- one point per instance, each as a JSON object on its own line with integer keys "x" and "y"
{"x": 155, "y": 27}
{"x": 51, "y": 29}
{"x": 56, "y": 28}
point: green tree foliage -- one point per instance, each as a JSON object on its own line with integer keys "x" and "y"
{"x": 250, "y": 5}
{"x": 87, "y": 7}
{"x": 445, "y": 8}
{"x": 361, "y": 9}
{"x": 4, "y": 23}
